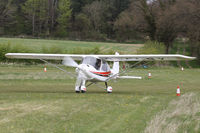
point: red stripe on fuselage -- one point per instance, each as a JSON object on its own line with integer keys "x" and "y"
{"x": 106, "y": 74}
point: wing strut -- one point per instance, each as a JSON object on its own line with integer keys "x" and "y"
{"x": 95, "y": 83}
{"x": 124, "y": 71}
{"x": 73, "y": 75}
{"x": 127, "y": 70}
{"x": 89, "y": 84}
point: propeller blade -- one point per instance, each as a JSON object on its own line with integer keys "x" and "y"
{"x": 68, "y": 61}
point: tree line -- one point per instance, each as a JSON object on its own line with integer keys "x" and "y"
{"x": 120, "y": 20}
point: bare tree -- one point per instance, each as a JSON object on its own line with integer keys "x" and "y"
{"x": 188, "y": 20}
{"x": 95, "y": 12}
{"x": 166, "y": 23}
{"x": 155, "y": 19}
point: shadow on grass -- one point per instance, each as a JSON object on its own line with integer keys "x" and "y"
{"x": 142, "y": 93}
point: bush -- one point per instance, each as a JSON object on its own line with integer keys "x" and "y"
{"x": 20, "y": 49}
{"x": 4, "y": 48}
{"x": 151, "y": 47}
{"x": 7, "y": 48}
{"x": 95, "y": 50}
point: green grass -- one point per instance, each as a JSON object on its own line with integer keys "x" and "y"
{"x": 37, "y": 45}
{"x": 32, "y": 101}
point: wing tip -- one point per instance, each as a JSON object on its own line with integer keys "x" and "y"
{"x": 188, "y": 57}
{"x": 7, "y": 55}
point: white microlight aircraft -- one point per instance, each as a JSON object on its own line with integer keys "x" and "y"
{"x": 94, "y": 68}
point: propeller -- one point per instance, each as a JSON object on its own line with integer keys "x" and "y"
{"x": 68, "y": 61}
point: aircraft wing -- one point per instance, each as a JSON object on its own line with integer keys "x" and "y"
{"x": 43, "y": 56}
{"x": 148, "y": 57}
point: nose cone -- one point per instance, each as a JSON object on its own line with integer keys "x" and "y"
{"x": 82, "y": 66}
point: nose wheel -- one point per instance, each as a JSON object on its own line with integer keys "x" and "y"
{"x": 77, "y": 89}
{"x": 80, "y": 86}
{"x": 81, "y": 89}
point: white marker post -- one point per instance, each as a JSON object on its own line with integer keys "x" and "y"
{"x": 149, "y": 75}
{"x": 45, "y": 69}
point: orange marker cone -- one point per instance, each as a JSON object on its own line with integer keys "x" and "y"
{"x": 178, "y": 91}
{"x": 149, "y": 75}
{"x": 45, "y": 69}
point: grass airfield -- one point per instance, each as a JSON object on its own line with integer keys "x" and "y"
{"x": 66, "y": 46}
{"x": 33, "y": 101}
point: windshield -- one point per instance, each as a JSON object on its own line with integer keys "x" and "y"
{"x": 95, "y": 62}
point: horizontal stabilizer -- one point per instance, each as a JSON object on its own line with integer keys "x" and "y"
{"x": 129, "y": 77}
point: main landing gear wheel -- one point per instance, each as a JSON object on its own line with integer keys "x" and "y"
{"x": 109, "y": 89}
{"x": 77, "y": 89}
{"x": 83, "y": 89}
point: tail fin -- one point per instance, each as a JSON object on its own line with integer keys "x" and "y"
{"x": 115, "y": 68}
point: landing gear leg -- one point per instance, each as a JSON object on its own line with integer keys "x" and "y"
{"x": 83, "y": 88}
{"x": 108, "y": 88}
{"x": 77, "y": 89}
{"x": 106, "y": 84}
{"x": 78, "y": 85}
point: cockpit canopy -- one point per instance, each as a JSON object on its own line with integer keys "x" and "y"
{"x": 98, "y": 64}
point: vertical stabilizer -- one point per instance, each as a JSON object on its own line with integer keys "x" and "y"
{"x": 115, "y": 68}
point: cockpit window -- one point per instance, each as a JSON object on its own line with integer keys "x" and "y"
{"x": 95, "y": 62}
{"x": 98, "y": 64}
{"x": 105, "y": 67}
